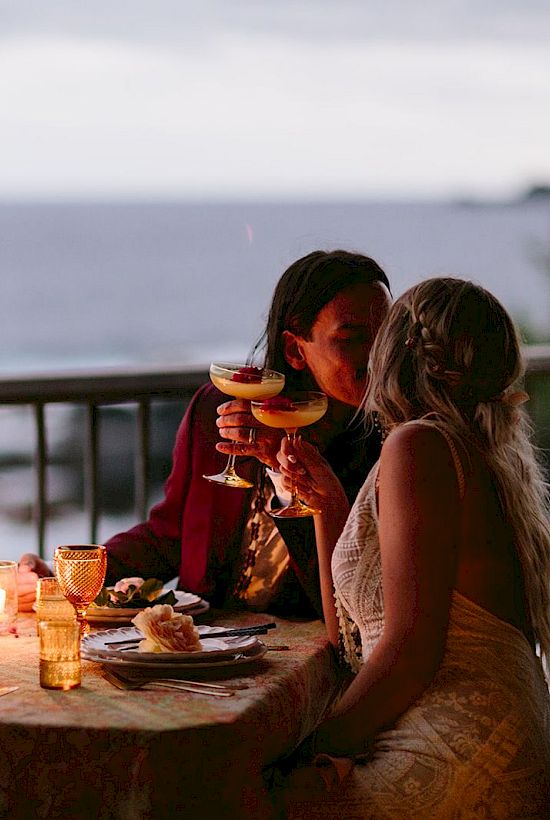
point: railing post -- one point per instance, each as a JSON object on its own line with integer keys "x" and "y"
{"x": 40, "y": 464}
{"x": 142, "y": 459}
{"x": 91, "y": 472}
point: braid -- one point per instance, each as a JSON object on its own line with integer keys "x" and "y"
{"x": 434, "y": 353}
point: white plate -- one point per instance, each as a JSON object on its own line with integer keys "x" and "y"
{"x": 122, "y": 618}
{"x": 216, "y": 662}
{"x": 186, "y": 602}
{"x": 97, "y": 643}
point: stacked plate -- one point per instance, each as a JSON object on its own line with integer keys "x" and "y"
{"x": 107, "y": 647}
{"x": 187, "y": 602}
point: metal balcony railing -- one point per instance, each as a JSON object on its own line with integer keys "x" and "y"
{"x": 92, "y": 389}
{"x": 139, "y": 386}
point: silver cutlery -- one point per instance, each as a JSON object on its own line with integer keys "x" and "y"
{"x": 198, "y": 687}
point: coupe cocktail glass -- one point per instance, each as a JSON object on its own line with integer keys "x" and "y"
{"x": 242, "y": 382}
{"x": 291, "y": 413}
{"x": 80, "y": 570}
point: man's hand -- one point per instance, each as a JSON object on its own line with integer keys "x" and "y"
{"x": 30, "y": 569}
{"x": 248, "y": 436}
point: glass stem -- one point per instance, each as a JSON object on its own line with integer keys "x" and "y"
{"x": 81, "y": 617}
{"x": 230, "y": 466}
{"x": 291, "y": 436}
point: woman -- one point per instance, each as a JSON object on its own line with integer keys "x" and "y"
{"x": 441, "y": 577}
{"x": 325, "y": 312}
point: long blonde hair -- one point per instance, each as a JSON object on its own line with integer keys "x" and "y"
{"x": 449, "y": 348}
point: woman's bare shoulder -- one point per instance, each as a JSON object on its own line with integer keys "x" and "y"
{"x": 416, "y": 436}
{"x": 418, "y": 450}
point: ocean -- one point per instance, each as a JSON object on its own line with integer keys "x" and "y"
{"x": 94, "y": 284}
{"x": 116, "y": 283}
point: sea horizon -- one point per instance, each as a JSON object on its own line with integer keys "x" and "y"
{"x": 89, "y": 283}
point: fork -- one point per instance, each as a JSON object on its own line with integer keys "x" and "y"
{"x": 199, "y": 687}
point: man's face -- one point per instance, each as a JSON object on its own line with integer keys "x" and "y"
{"x": 341, "y": 338}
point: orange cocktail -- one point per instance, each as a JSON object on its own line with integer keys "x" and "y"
{"x": 242, "y": 382}
{"x": 291, "y": 413}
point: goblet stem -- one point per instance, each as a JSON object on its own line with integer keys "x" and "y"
{"x": 81, "y": 612}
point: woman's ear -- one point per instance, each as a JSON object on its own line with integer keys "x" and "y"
{"x": 292, "y": 350}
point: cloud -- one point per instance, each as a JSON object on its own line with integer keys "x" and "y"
{"x": 98, "y": 101}
{"x": 175, "y": 23}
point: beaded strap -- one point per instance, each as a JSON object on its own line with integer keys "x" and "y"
{"x": 349, "y": 642}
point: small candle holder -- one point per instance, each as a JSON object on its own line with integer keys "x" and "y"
{"x": 59, "y": 654}
{"x": 8, "y": 596}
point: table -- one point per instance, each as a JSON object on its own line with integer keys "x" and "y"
{"x": 102, "y": 753}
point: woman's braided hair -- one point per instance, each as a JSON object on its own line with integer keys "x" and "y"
{"x": 420, "y": 338}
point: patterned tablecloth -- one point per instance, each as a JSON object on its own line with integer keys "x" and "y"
{"x": 99, "y": 752}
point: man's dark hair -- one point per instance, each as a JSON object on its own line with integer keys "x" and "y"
{"x": 302, "y": 292}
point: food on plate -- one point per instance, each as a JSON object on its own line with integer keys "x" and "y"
{"x": 135, "y": 593}
{"x": 165, "y": 630}
{"x": 125, "y": 583}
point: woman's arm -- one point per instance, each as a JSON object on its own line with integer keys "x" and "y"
{"x": 318, "y": 485}
{"x": 418, "y": 529}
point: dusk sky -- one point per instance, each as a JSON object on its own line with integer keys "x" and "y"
{"x": 310, "y": 99}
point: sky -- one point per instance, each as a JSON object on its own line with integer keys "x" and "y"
{"x": 273, "y": 99}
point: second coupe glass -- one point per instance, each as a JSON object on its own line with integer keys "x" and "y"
{"x": 291, "y": 413}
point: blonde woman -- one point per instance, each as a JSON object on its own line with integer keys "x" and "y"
{"x": 437, "y": 592}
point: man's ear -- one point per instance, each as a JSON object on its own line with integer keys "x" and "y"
{"x": 292, "y": 350}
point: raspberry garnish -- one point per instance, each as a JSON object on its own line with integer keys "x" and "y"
{"x": 277, "y": 403}
{"x": 248, "y": 375}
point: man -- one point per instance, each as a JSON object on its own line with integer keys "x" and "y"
{"x": 221, "y": 542}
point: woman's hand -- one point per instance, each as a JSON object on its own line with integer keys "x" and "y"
{"x": 29, "y": 570}
{"x": 313, "y": 477}
{"x": 236, "y": 422}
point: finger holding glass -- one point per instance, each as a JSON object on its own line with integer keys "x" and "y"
{"x": 246, "y": 435}
{"x": 316, "y": 482}
{"x": 291, "y": 413}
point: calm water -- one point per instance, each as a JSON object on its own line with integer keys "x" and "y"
{"x": 96, "y": 284}
{"x": 117, "y": 283}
